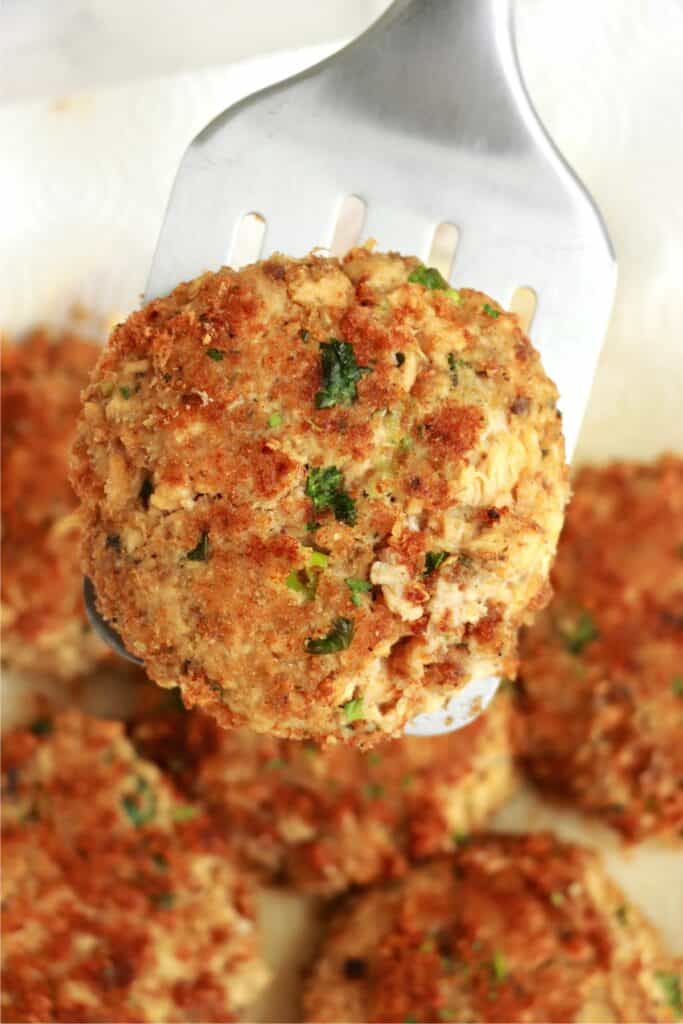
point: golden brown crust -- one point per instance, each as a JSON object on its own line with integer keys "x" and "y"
{"x": 44, "y": 625}
{"x": 602, "y": 725}
{"x": 511, "y": 928}
{"x": 325, "y": 819}
{"x": 200, "y": 434}
{"x": 120, "y": 902}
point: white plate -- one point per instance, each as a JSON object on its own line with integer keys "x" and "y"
{"x": 84, "y": 181}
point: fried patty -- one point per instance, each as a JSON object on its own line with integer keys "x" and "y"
{"x": 320, "y": 496}
{"x": 600, "y": 692}
{"x": 43, "y": 621}
{"x": 511, "y": 928}
{"x": 323, "y": 819}
{"x": 120, "y": 903}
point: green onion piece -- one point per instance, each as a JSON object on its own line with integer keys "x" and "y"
{"x": 337, "y": 639}
{"x": 340, "y": 374}
{"x": 215, "y": 354}
{"x": 490, "y": 311}
{"x": 354, "y": 710}
{"x": 303, "y": 581}
{"x": 454, "y": 294}
{"x": 584, "y": 632}
{"x": 434, "y": 559}
{"x": 200, "y": 552}
{"x": 140, "y": 808}
{"x": 557, "y": 897}
{"x": 319, "y": 560}
{"x": 429, "y": 277}
{"x": 275, "y": 420}
{"x": 184, "y": 812}
{"x": 499, "y": 968}
{"x": 357, "y": 587}
{"x": 671, "y": 987}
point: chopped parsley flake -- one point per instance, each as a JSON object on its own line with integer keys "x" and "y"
{"x": 671, "y": 987}
{"x": 274, "y": 420}
{"x": 434, "y": 559}
{"x": 163, "y": 900}
{"x": 373, "y": 790}
{"x": 337, "y": 639}
{"x": 142, "y": 807}
{"x": 584, "y": 632}
{"x": 499, "y": 968}
{"x": 200, "y": 552}
{"x": 400, "y": 358}
{"x": 41, "y": 727}
{"x": 354, "y": 710}
{"x": 677, "y": 686}
{"x": 124, "y": 391}
{"x": 340, "y": 374}
{"x": 357, "y": 587}
{"x": 184, "y": 812}
{"x": 325, "y": 488}
{"x": 429, "y": 277}
{"x": 454, "y": 363}
{"x": 490, "y": 311}
{"x": 215, "y": 354}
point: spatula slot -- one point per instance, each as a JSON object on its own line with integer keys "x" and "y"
{"x": 442, "y": 249}
{"x": 523, "y": 303}
{"x": 349, "y": 225}
{"x": 248, "y": 241}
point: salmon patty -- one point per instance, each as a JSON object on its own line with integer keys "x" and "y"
{"x": 511, "y": 928}
{"x": 324, "y": 819}
{"x": 320, "y": 496}
{"x": 600, "y": 693}
{"x": 43, "y": 621}
{"x": 120, "y": 903}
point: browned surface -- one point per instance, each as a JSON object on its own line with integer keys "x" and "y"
{"x": 510, "y": 928}
{"x": 603, "y": 727}
{"x": 44, "y": 626}
{"x": 325, "y": 819}
{"x": 120, "y": 902}
{"x": 175, "y": 446}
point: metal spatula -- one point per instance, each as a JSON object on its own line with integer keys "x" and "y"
{"x": 419, "y": 134}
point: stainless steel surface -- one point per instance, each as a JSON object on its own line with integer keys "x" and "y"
{"x": 103, "y": 629}
{"x": 426, "y": 118}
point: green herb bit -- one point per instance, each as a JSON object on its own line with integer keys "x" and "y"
{"x": 319, "y": 560}
{"x": 621, "y": 914}
{"x": 454, "y": 294}
{"x": 163, "y": 900}
{"x": 303, "y": 581}
{"x": 427, "y": 946}
{"x": 434, "y": 559}
{"x": 215, "y": 354}
{"x": 454, "y": 364}
{"x": 124, "y": 391}
{"x": 671, "y": 987}
{"x": 200, "y": 552}
{"x": 499, "y": 968}
{"x": 275, "y": 764}
{"x": 429, "y": 277}
{"x": 354, "y": 710}
{"x": 340, "y": 374}
{"x": 140, "y": 808}
{"x": 337, "y": 639}
{"x": 41, "y": 727}
{"x": 677, "y": 686}
{"x": 460, "y": 838}
{"x": 325, "y": 488}
{"x": 184, "y": 812}
{"x": 490, "y": 311}
{"x": 400, "y": 358}
{"x": 312, "y": 525}
{"x": 557, "y": 898}
{"x": 274, "y": 420}
{"x": 304, "y": 334}
{"x": 373, "y": 790}
{"x": 585, "y": 632}
{"x": 357, "y": 587}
